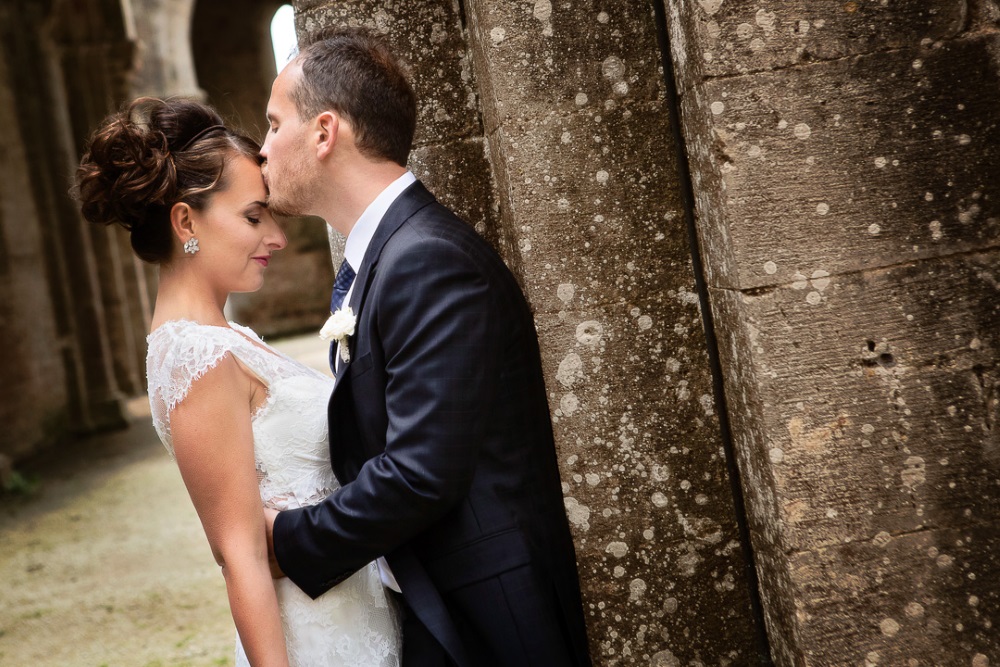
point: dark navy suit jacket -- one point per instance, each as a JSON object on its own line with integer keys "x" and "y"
{"x": 440, "y": 436}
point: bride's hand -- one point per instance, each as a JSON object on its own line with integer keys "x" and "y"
{"x": 269, "y": 515}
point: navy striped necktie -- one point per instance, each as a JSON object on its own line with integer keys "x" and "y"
{"x": 345, "y": 276}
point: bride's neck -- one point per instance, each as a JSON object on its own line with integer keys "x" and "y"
{"x": 182, "y": 295}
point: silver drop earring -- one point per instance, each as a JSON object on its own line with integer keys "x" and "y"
{"x": 191, "y": 246}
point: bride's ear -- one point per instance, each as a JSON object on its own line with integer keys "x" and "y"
{"x": 182, "y": 222}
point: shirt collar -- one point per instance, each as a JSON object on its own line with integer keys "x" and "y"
{"x": 364, "y": 229}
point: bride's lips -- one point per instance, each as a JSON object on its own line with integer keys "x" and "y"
{"x": 262, "y": 260}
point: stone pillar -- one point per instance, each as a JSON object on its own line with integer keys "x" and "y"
{"x": 72, "y": 249}
{"x": 33, "y": 396}
{"x": 581, "y": 147}
{"x": 843, "y": 162}
{"x": 164, "y": 62}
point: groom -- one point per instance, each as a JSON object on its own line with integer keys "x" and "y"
{"x": 439, "y": 425}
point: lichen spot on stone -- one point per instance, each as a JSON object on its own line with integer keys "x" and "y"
{"x": 613, "y": 68}
{"x": 659, "y": 500}
{"x": 802, "y": 131}
{"x": 578, "y": 514}
{"x": 914, "y": 610}
{"x": 913, "y": 474}
{"x": 602, "y": 17}
{"x": 498, "y": 34}
{"x": 565, "y": 292}
{"x": 581, "y": 99}
{"x": 766, "y": 20}
{"x": 710, "y": 7}
{"x": 980, "y": 660}
{"x": 664, "y": 658}
{"x": 542, "y": 10}
{"x": 645, "y": 322}
{"x": 589, "y": 333}
{"x": 569, "y": 404}
{"x": 889, "y": 627}
{"x": 822, "y": 208}
{"x": 602, "y": 177}
{"x": 935, "y": 227}
{"x": 820, "y": 279}
{"x": 636, "y": 588}
{"x": 880, "y": 162}
{"x": 718, "y": 107}
{"x": 570, "y": 369}
{"x": 617, "y": 549}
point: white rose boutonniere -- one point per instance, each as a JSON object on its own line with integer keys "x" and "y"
{"x": 339, "y": 327}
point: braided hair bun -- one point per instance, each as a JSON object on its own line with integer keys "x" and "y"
{"x": 148, "y": 157}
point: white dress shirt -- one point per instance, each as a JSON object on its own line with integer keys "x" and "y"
{"x": 354, "y": 252}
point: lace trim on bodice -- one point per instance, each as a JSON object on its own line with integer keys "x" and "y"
{"x": 354, "y": 624}
{"x": 291, "y": 447}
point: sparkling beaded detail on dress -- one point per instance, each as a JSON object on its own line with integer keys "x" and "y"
{"x": 353, "y": 624}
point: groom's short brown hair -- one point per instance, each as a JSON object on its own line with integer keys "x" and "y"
{"x": 354, "y": 73}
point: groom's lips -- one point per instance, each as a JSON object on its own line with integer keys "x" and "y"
{"x": 262, "y": 260}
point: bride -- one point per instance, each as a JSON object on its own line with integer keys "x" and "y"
{"x": 246, "y": 424}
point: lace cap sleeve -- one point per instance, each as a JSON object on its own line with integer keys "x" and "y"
{"x": 178, "y": 354}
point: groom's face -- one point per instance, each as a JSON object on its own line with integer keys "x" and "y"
{"x": 288, "y": 162}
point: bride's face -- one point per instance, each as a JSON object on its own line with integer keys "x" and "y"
{"x": 236, "y": 232}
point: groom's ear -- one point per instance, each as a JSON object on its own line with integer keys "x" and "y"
{"x": 181, "y": 221}
{"x": 327, "y": 131}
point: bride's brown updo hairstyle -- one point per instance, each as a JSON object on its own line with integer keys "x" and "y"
{"x": 150, "y": 156}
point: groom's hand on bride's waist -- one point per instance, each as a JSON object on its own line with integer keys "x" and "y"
{"x": 269, "y": 515}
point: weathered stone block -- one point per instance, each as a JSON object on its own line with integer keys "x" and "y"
{"x": 645, "y": 481}
{"x": 847, "y": 165}
{"x": 924, "y": 598}
{"x": 592, "y": 202}
{"x": 562, "y": 57}
{"x": 458, "y": 173}
{"x": 712, "y": 38}
{"x": 866, "y": 406}
{"x": 428, "y": 37}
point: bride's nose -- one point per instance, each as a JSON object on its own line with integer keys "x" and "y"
{"x": 277, "y": 240}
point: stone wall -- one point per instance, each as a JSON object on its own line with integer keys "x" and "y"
{"x": 846, "y": 200}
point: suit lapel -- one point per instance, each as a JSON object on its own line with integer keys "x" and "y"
{"x": 411, "y": 200}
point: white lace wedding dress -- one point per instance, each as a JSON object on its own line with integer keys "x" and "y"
{"x": 354, "y": 624}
